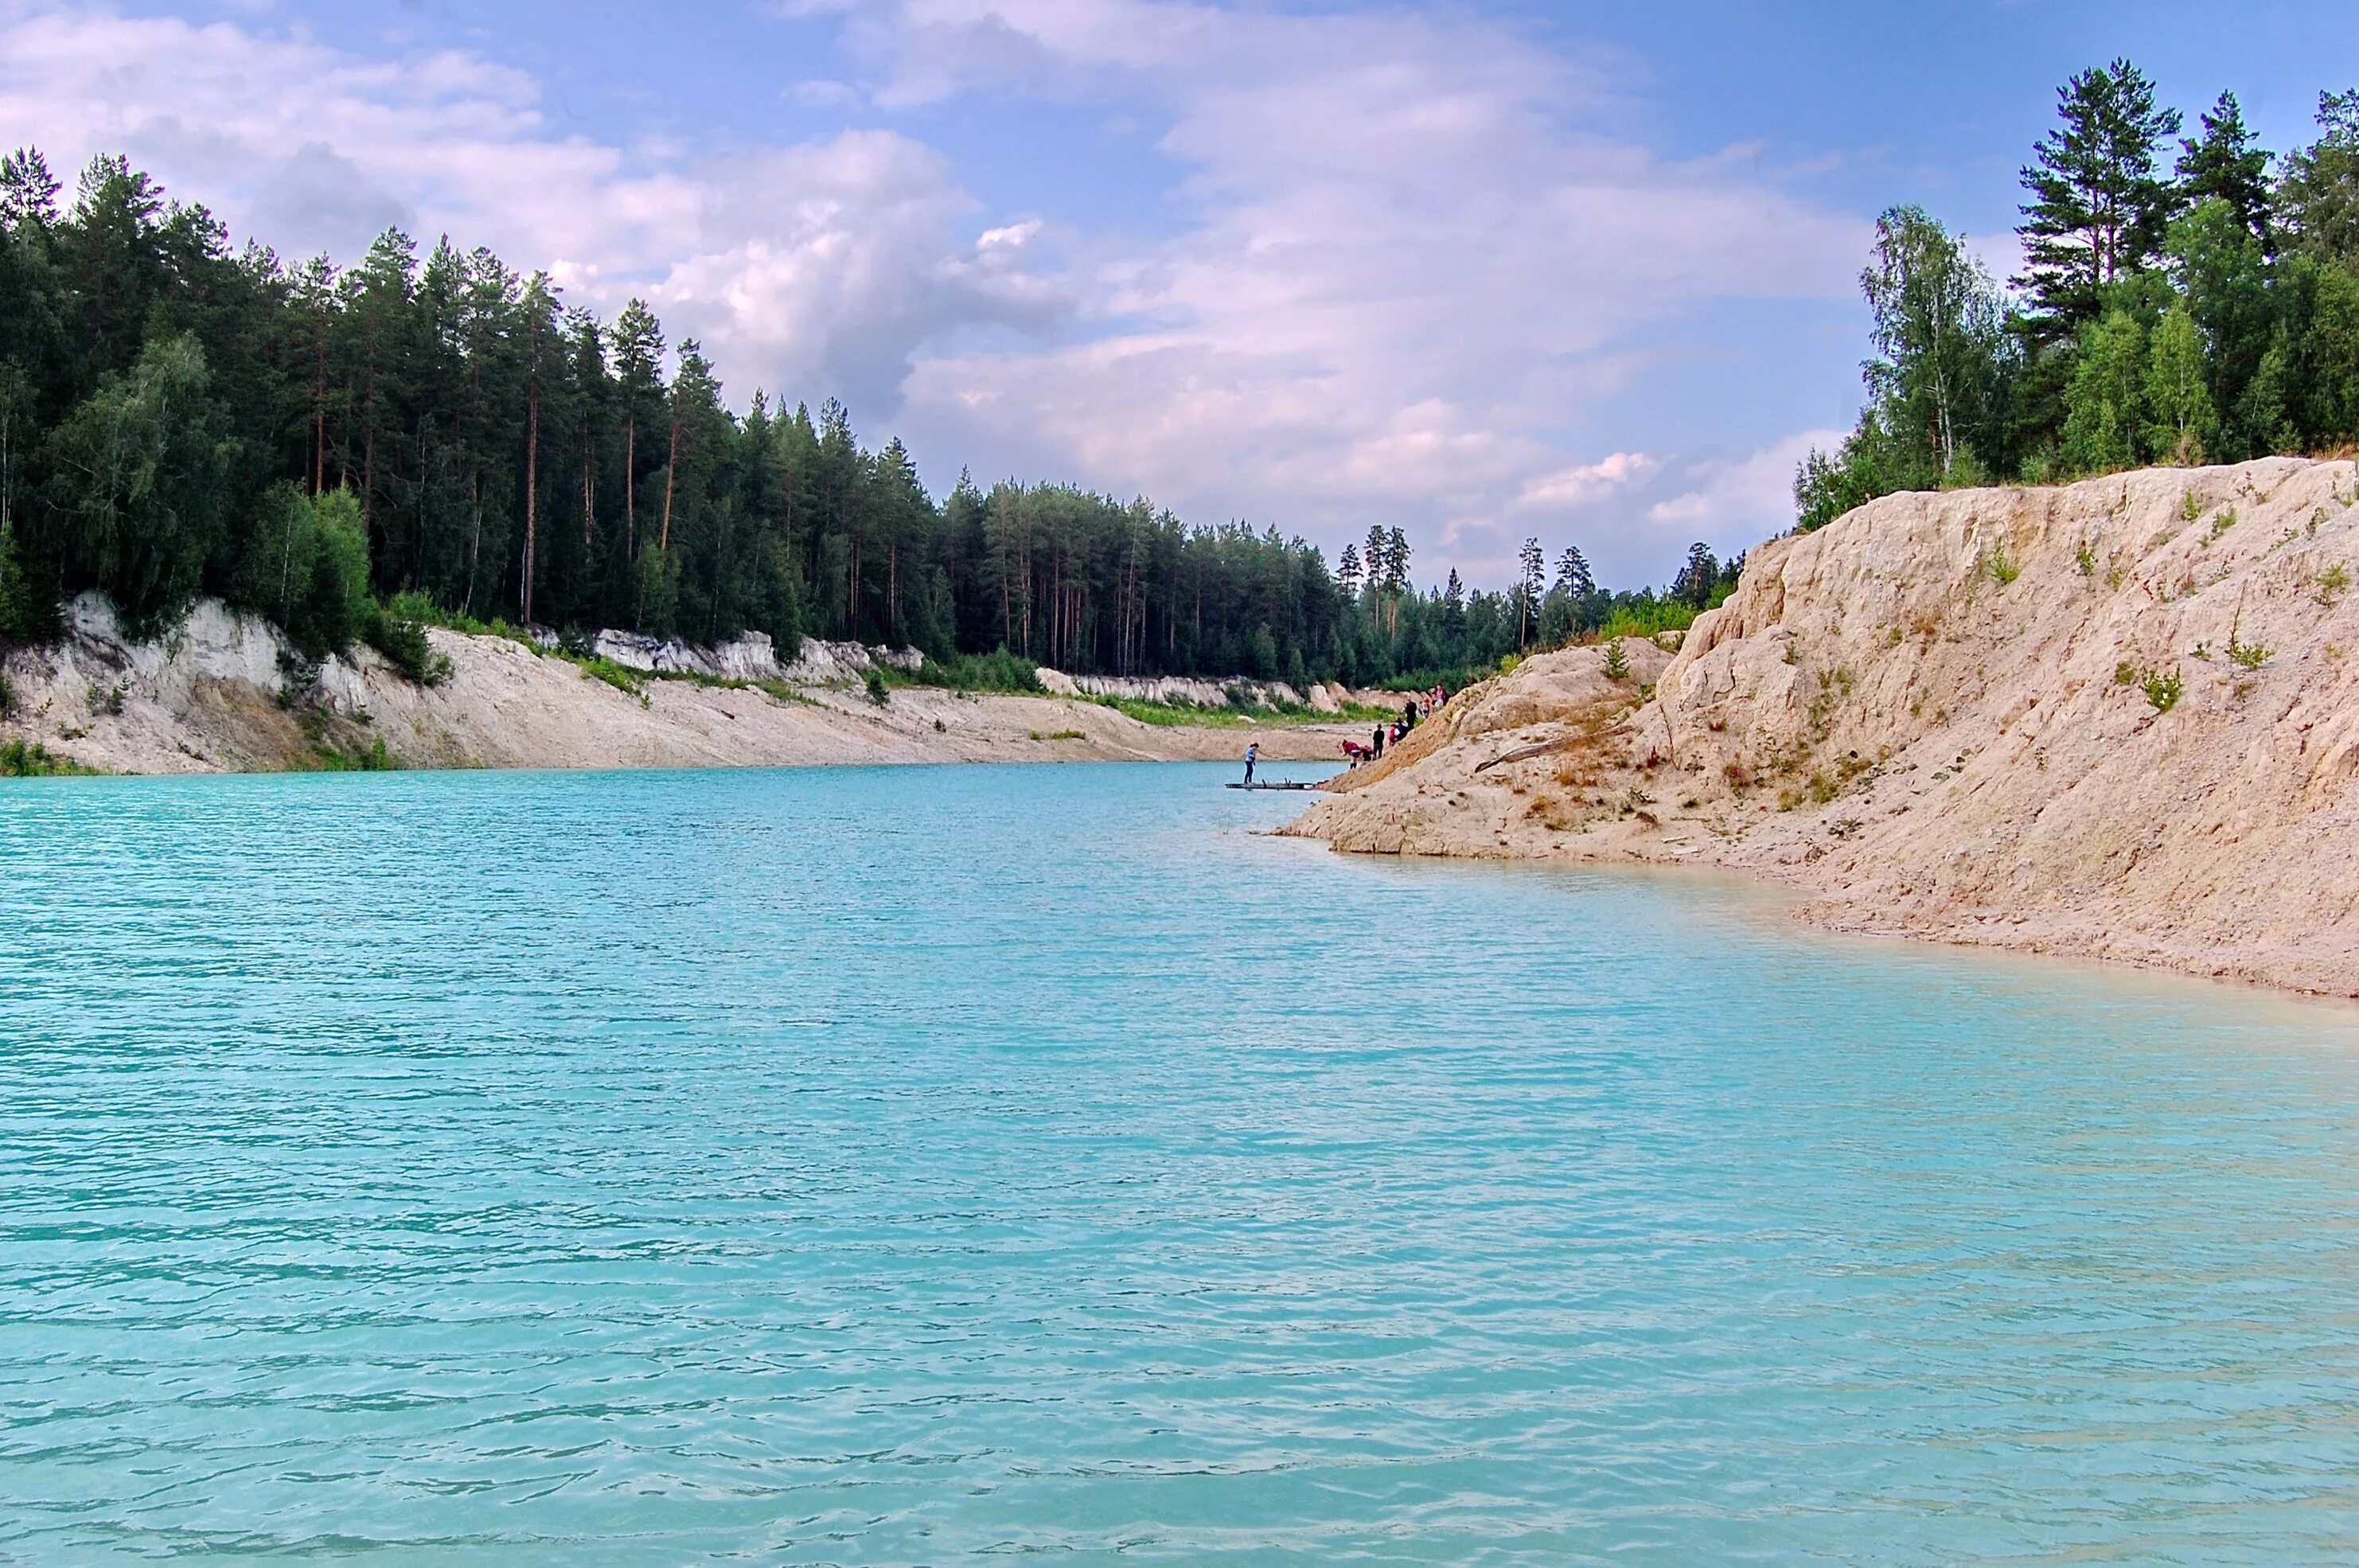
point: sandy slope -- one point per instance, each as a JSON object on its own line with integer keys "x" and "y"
{"x": 211, "y": 697}
{"x": 1917, "y": 717}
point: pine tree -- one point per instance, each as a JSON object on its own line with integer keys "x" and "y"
{"x": 1573, "y": 574}
{"x": 2228, "y": 164}
{"x": 2318, "y": 196}
{"x": 2100, "y": 206}
{"x": 1532, "y": 565}
{"x": 29, "y": 194}
{"x": 638, "y": 375}
{"x": 1694, "y": 585}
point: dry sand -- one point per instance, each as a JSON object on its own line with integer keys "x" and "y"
{"x": 1934, "y": 718}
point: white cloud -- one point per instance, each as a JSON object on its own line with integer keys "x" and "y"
{"x": 1418, "y": 255}
{"x": 1583, "y": 483}
{"x": 1732, "y": 504}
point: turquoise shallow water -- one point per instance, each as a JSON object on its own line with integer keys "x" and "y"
{"x": 908, "y": 1166}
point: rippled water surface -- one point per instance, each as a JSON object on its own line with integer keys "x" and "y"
{"x": 859, "y": 1166}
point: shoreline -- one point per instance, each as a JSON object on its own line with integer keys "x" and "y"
{"x": 215, "y": 696}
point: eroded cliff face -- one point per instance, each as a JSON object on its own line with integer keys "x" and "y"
{"x": 2119, "y": 718}
{"x": 222, "y": 693}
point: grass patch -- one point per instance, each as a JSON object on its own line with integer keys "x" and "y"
{"x": 21, "y": 758}
{"x": 1182, "y": 715}
{"x": 1057, "y": 734}
{"x": 370, "y": 759}
{"x": 421, "y": 608}
{"x": 629, "y": 682}
{"x": 1173, "y": 714}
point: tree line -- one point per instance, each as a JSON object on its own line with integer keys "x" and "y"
{"x": 438, "y": 433}
{"x": 2183, "y": 298}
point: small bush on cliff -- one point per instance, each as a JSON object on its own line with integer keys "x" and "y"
{"x": 403, "y": 643}
{"x": 629, "y": 682}
{"x": 2333, "y": 583}
{"x": 2245, "y": 655}
{"x": 1617, "y": 662}
{"x": 370, "y": 759}
{"x": 2163, "y": 691}
{"x": 21, "y": 758}
{"x": 878, "y": 692}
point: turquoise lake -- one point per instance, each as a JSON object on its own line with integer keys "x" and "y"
{"x": 916, "y": 1165}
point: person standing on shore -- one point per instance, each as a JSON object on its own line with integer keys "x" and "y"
{"x": 1252, "y": 751}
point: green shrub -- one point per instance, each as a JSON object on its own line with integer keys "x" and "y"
{"x": 21, "y": 758}
{"x": 2002, "y": 567}
{"x": 1617, "y": 662}
{"x": 403, "y": 641}
{"x": 1644, "y": 620}
{"x": 629, "y": 682}
{"x": 370, "y": 759}
{"x": 878, "y": 692}
{"x": 2125, "y": 674}
{"x": 2333, "y": 583}
{"x": 2085, "y": 557}
{"x": 2162, "y": 692}
{"x": 998, "y": 670}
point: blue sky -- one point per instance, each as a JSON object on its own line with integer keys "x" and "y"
{"x": 1481, "y": 271}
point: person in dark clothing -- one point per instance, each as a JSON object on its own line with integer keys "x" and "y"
{"x": 1409, "y": 716}
{"x": 1376, "y": 741}
{"x": 1252, "y": 751}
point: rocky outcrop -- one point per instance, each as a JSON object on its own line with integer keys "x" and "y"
{"x": 2118, "y": 719}
{"x": 752, "y": 656}
{"x": 1180, "y": 691}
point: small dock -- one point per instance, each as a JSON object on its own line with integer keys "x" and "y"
{"x": 1274, "y": 784}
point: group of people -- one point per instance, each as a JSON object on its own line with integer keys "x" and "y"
{"x": 1393, "y": 734}
{"x": 1385, "y": 735}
